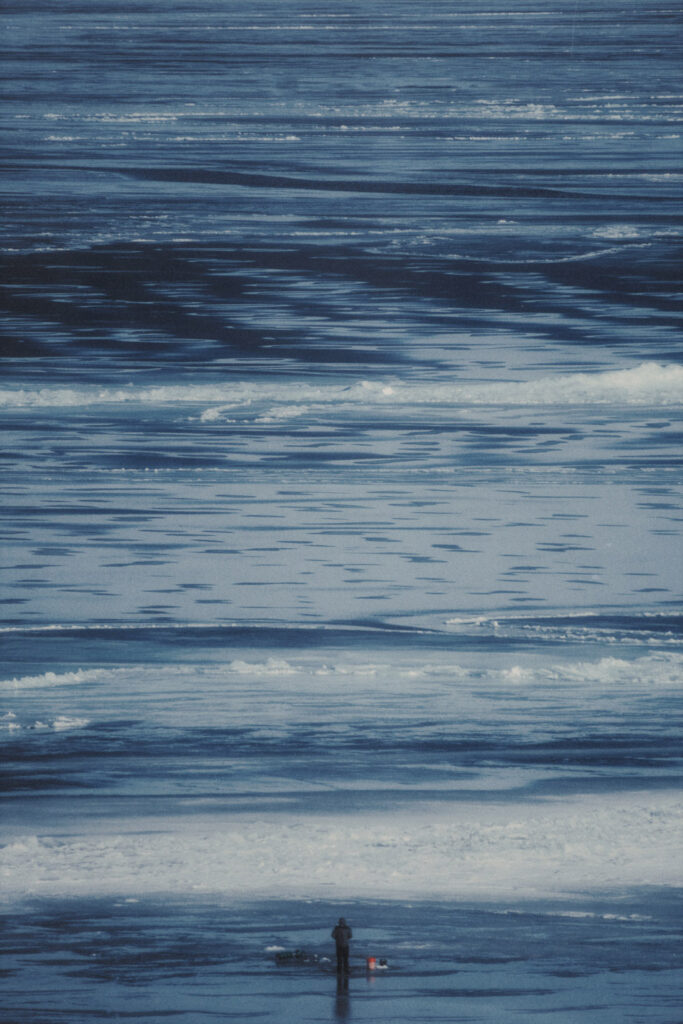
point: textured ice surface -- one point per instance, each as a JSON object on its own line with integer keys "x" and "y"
{"x": 340, "y": 528}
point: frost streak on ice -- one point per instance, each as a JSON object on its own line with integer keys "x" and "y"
{"x": 62, "y": 723}
{"x": 647, "y": 383}
{"x": 48, "y": 679}
{"x": 567, "y": 846}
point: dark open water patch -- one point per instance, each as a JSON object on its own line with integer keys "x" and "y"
{"x": 510, "y": 628}
{"x": 422, "y": 754}
{"x": 131, "y": 644}
{"x": 330, "y": 304}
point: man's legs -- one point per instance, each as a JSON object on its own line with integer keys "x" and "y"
{"x": 342, "y": 959}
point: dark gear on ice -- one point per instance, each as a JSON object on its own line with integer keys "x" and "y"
{"x": 341, "y": 933}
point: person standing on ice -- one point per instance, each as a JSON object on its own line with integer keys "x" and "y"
{"x": 341, "y": 933}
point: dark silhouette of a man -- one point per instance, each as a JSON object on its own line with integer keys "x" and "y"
{"x": 341, "y": 933}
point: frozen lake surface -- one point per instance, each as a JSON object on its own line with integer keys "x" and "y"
{"x": 188, "y": 961}
{"x": 341, "y": 536}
